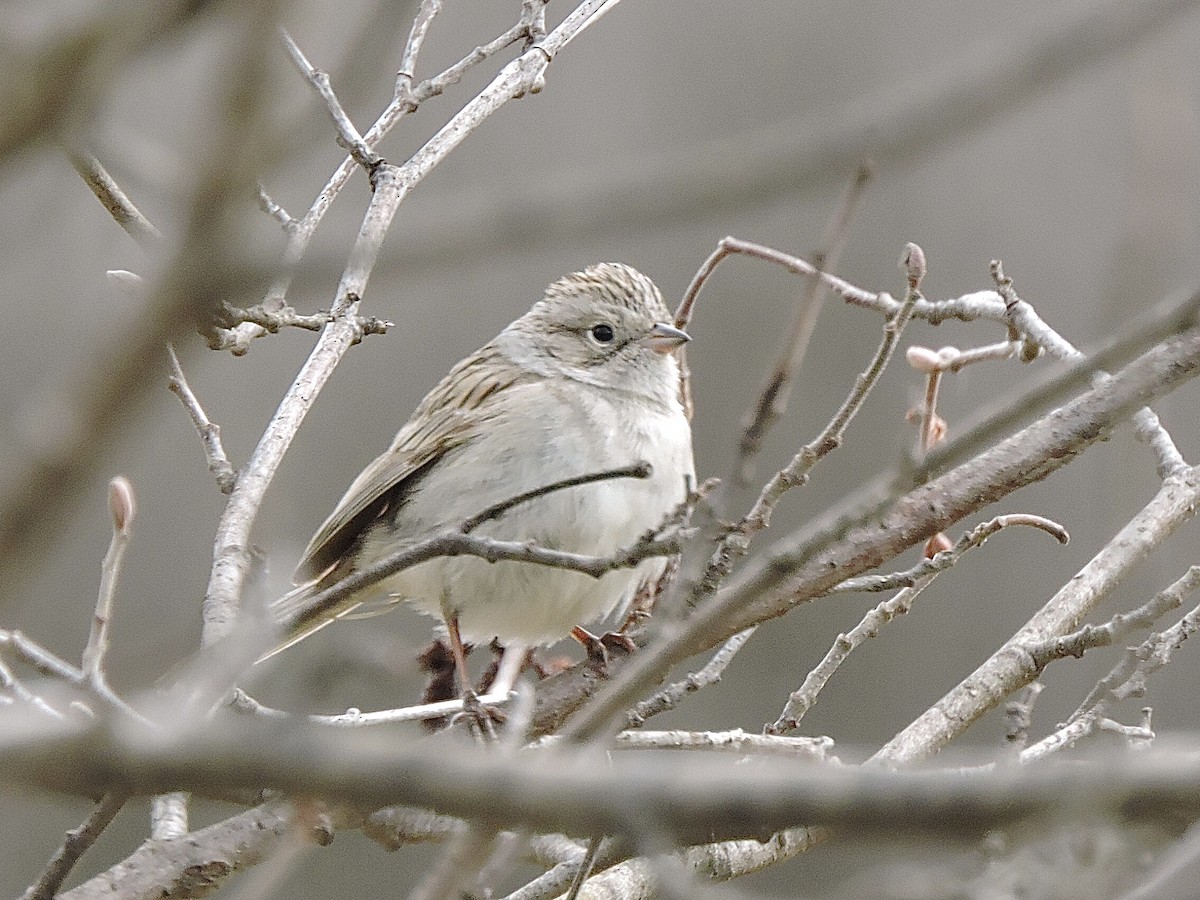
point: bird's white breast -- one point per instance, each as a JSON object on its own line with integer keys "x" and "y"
{"x": 546, "y": 434}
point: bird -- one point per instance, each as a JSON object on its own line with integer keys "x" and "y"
{"x": 586, "y": 381}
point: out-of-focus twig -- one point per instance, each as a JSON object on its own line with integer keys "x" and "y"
{"x": 773, "y": 398}
{"x": 112, "y": 198}
{"x": 77, "y": 842}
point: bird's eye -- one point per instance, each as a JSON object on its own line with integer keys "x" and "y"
{"x": 603, "y": 333}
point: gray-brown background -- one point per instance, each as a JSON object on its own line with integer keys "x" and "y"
{"x": 1087, "y": 189}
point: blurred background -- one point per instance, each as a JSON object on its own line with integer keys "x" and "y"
{"x": 662, "y": 129}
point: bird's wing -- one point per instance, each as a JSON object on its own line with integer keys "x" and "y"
{"x": 450, "y": 416}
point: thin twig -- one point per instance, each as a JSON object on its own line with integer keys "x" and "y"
{"x": 231, "y": 558}
{"x": 115, "y": 200}
{"x": 54, "y": 666}
{"x": 123, "y": 509}
{"x": 13, "y": 685}
{"x": 554, "y": 882}
{"x": 44, "y": 661}
{"x": 1148, "y": 430}
{"x": 669, "y": 697}
{"x": 271, "y": 320}
{"x": 210, "y": 433}
{"x": 639, "y": 470}
{"x": 355, "y": 718}
{"x": 735, "y": 741}
{"x": 77, "y": 842}
{"x": 204, "y": 264}
{"x": 274, "y": 210}
{"x": 782, "y": 580}
{"x": 1156, "y": 650}
{"x": 416, "y": 38}
{"x": 585, "y": 866}
{"x": 868, "y": 503}
{"x": 402, "y": 104}
{"x": 801, "y": 700}
{"x": 736, "y": 543}
{"x": 348, "y": 137}
{"x": 1023, "y": 321}
{"x": 1090, "y": 637}
{"x": 1128, "y": 676}
{"x": 1011, "y": 666}
{"x": 773, "y": 398}
{"x": 452, "y": 542}
{"x": 795, "y": 159}
{"x": 976, "y": 537}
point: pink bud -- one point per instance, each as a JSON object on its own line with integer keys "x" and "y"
{"x": 121, "y": 504}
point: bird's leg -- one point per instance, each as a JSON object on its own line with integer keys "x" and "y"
{"x": 460, "y": 656}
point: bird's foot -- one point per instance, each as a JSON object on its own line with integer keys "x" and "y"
{"x": 600, "y": 649}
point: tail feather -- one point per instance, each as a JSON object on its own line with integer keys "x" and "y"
{"x": 289, "y": 612}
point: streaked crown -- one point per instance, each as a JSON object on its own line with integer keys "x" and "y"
{"x": 614, "y": 283}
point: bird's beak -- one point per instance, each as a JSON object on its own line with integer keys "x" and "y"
{"x": 664, "y": 338}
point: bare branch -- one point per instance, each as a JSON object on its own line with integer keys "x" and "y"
{"x": 452, "y": 542}
{"x": 559, "y": 879}
{"x": 1150, "y": 432}
{"x": 897, "y": 126}
{"x": 76, "y": 844}
{"x": 942, "y": 561}
{"x": 121, "y": 505}
{"x": 1012, "y": 667}
{"x": 54, "y": 666}
{"x": 801, "y": 700}
{"x": 115, "y": 200}
{"x": 773, "y": 398}
{"x": 670, "y": 696}
{"x": 193, "y": 864}
{"x": 356, "y": 718}
{"x": 769, "y": 587}
{"x": 200, "y": 270}
{"x": 735, "y": 741}
{"x": 640, "y": 470}
{"x": 402, "y": 104}
{"x": 736, "y": 543}
{"x": 210, "y": 433}
{"x": 348, "y": 137}
{"x": 231, "y": 558}
{"x": 426, "y": 13}
{"x": 13, "y": 685}
{"x": 274, "y": 210}
{"x": 913, "y": 582}
{"x": 1091, "y": 636}
{"x": 573, "y": 794}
